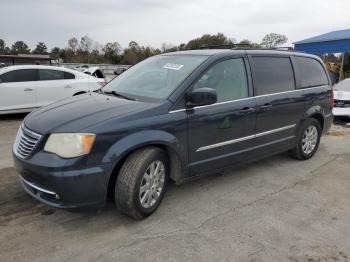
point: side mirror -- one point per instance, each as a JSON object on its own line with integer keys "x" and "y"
{"x": 201, "y": 97}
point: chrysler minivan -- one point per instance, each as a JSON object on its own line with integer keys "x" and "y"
{"x": 175, "y": 116}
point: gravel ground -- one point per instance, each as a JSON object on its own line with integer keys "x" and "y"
{"x": 277, "y": 209}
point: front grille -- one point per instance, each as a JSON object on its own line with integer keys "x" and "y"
{"x": 341, "y": 103}
{"x": 25, "y": 143}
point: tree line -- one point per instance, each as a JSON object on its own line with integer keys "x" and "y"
{"x": 86, "y": 50}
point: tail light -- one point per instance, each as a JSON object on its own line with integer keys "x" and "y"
{"x": 102, "y": 83}
{"x": 332, "y": 99}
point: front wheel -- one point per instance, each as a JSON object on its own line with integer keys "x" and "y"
{"x": 308, "y": 140}
{"x": 142, "y": 182}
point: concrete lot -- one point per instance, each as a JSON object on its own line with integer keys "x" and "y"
{"x": 277, "y": 209}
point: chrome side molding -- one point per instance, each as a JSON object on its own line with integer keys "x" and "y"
{"x": 225, "y": 143}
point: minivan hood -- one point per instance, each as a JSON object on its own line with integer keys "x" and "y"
{"x": 76, "y": 113}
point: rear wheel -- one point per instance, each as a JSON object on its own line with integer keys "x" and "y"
{"x": 308, "y": 140}
{"x": 142, "y": 182}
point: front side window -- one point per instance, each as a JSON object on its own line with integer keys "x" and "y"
{"x": 272, "y": 75}
{"x": 21, "y": 75}
{"x": 228, "y": 78}
{"x": 156, "y": 77}
{"x": 310, "y": 72}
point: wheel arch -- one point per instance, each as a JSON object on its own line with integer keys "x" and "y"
{"x": 316, "y": 113}
{"x": 119, "y": 152}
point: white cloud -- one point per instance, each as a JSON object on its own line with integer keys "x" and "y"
{"x": 152, "y": 22}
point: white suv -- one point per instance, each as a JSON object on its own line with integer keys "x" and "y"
{"x": 26, "y": 87}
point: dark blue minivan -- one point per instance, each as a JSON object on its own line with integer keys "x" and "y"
{"x": 174, "y": 116}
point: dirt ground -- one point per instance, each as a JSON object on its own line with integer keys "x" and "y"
{"x": 278, "y": 209}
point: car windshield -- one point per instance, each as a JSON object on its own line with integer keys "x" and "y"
{"x": 156, "y": 77}
{"x": 343, "y": 85}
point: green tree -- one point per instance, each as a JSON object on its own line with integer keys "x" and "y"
{"x": 208, "y": 40}
{"x": 40, "y": 49}
{"x": 182, "y": 47}
{"x": 166, "y": 48}
{"x": 86, "y": 44}
{"x": 20, "y": 47}
{"x": 85, "y": 48}
{"x": 2, "y": 46}
{"x": 73, "y": 44}
{"x": 7, "y": 50}
{"x": 55, "y": 52}
{"x": 249, "y": 44}
{"x": 112, "y": 51}
{"x": 273, "y": 40}
{"x": 130, "y": 57}
{"x": 134, "y": 44}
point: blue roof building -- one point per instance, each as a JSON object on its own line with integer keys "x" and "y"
{"x": 332, "y": 42}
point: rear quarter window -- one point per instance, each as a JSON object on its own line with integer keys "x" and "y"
{"x": 50, "y": 74}
{"x": 272, "y": 75}
{"x": 68, "y": 75}
{"x": 310, "y": 72}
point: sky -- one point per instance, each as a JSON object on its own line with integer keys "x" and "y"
{"x": 153, "y": 22}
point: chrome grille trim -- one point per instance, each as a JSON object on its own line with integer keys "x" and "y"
{"x": 25, "y": 142}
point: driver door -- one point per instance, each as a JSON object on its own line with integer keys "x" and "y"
{"x": 222, "y": 133}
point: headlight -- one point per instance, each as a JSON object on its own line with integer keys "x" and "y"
{"x": 69, "y": 145}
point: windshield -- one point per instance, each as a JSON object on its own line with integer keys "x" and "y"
{"x": 343, "y": 85}
{"x": 156, "y": 77}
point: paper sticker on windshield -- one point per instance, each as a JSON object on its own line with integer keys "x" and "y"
{"x": 173, "y": 66}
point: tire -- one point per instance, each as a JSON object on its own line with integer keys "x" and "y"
{"x": 135, "y": 172}
{"x": 301, "y": 150}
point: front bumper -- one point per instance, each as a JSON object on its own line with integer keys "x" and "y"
{"x": 60, "y": 185}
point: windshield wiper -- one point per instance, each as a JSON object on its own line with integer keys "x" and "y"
{"x": 120, "y": 95}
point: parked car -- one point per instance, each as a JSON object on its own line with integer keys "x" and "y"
{"x": 94, "y": 71}
{"x": 81, "y": 67}
{"x": 342, "y": 98}
{"x": 26, "y": 87}
{"x": 173, "y": 116}
{"x": 120, "y": 70}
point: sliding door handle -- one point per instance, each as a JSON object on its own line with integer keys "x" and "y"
{"x": 247, "y": 110}
{"x": 28, "y": 89}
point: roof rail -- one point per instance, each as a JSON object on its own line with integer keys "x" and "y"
{"x": 222, "y": 46}
{"x": 280, "y": 48}
{"x": 246, "y": 47}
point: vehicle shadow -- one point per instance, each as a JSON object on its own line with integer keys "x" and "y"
{"x": 15, "y": 117}
{"x": 18, "y": 207}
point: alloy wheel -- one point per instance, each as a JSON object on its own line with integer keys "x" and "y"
{"x": 152, "y": 184}
{"x": 309, "y": 140}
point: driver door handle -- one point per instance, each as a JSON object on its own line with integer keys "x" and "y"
{"x": 28, "y": 89}
{"x": 68, "y": 86}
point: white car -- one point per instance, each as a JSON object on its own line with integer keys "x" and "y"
{"x": 342, "y": 98}
{"x": 94, "y": 71}
{"x": 26, "y": 87}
